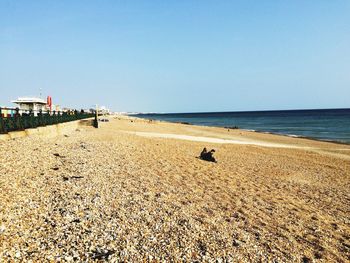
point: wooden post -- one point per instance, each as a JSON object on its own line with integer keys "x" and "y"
{"x": 18, "y": 120}
{"x": 2, "y": 128}
{"x": 96, "y": 118}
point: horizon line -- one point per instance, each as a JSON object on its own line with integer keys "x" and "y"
{"x": 239, "y": 111}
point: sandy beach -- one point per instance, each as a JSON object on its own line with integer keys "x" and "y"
{"x": 133, "y": 190}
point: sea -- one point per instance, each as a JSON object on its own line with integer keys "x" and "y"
{"x": 320, "y": 124}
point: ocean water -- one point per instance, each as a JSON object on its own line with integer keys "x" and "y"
{"x": 323, "y": 124}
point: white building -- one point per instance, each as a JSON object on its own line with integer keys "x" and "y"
{"x": 103, "y": 110}
{"x": 26, "y": 104}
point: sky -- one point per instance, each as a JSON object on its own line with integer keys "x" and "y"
{"x": 177, "y": 56}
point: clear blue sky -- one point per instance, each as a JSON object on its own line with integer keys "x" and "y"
{"x": 177, "y": 56}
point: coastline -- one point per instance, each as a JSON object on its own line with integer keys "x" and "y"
{"x": 110, "y": 193}
{"x": 306, "y": 137}
{"x": 250, "y": 130}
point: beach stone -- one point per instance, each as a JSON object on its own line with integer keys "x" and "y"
{"x": 2, "y": 229}
{"x": 68, "y": 258}
{"x": 236, "y": 243}
{"x": 306, "y": 259}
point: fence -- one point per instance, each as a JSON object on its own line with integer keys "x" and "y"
{"x": 17, "y": 120}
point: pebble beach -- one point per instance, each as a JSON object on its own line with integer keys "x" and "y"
{"x": 134, "y": 190}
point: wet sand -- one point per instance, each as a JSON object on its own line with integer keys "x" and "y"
{"x": 134, "y": 190}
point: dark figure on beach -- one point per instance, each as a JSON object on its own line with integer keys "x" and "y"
{"x": 207, "y": 156}
{"x": 203, "y": 153}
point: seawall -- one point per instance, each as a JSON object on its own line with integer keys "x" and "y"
{"x": 47, "y": 131}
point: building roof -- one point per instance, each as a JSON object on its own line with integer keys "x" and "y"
{"x": 29, "y": 100}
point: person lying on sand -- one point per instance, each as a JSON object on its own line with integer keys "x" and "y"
{"x": 207, "y": 156}
{"x": 203, "y": 153}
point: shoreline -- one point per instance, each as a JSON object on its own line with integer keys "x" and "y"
{"x": 249, "y": 130}
{"x": 306, "y": 137}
